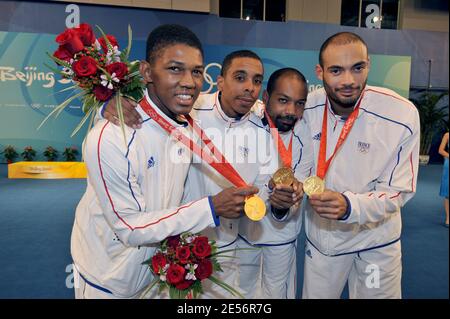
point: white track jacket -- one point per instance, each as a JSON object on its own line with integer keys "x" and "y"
{"x": 132, "y": 202}
{"x": 376, "y": 168}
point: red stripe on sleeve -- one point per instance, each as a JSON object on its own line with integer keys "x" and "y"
{"x": 112, "y": 203}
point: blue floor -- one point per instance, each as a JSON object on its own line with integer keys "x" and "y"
{"x": 36, "y": 218}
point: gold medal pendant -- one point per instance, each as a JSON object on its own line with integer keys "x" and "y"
{"x": 313, "y": 185}
{"x": 283, "y": 176}
{"x": 255, "y": 208}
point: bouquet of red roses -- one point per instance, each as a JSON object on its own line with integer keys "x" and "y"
{"x": 181, "y": 264}
{"x": 97, "y": 69}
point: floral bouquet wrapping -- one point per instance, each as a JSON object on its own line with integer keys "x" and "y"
{"x": 181, "y": 264}
{"x": 97, "y": 69}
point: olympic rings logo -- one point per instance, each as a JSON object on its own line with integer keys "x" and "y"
{"x": 208, "y": 78}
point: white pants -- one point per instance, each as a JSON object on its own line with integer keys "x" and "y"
{"x": 229, "y": 266}
{"x": 268, "y": 271}
{"x": 371, "y": 274}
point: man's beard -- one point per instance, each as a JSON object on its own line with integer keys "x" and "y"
{"x": 282, "y": 127}
{"x": 332, "y": 95}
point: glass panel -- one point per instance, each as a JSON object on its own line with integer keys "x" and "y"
{"x": 350, "y": 12}
{"x": 253, "y": 9}
{"x": 275, "y": 10}
{"x": 230, "y": 8}
{"x": 389, "y": 12}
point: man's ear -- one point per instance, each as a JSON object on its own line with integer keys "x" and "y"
{"x": 369, "y": 63}
{"x": 319, "y": 72}
{"x": 265, "y": 97}
{"x": 220, "y": 81}
{"x": 146, "y": 71}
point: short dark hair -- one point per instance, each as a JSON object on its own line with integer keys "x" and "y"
{"x": 237, "y": 54}
{"x": 340, "y": 38}
{"x": 279, "y": 73}
{"x": 167, "y": 35}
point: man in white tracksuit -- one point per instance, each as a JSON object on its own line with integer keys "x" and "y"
{"x": 237, "y": 132}
{"x": 242, "y": 139}
{"x": 276, "y": 234}
{"x": 134, "y": 189}
{"x": 353, "y": 229}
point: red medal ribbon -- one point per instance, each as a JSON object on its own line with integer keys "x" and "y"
{"x": 285, "y": 154}
{"x": 217, "y": 160}
{"x": 323, "y": 165}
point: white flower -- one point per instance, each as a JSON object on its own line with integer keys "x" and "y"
{"x": 162, "y": 277}
{"x": 108, "y": 83}
{"x": 190, "y": 276}
{"x": 113, "y": 56}
{"x": 97, "y": 45}
{"x": 67, "y": 71}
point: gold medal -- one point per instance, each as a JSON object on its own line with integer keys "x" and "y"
{"x": 313, "y": 185}
{"x": 255, "y": 208}
{"x": 283, "y": 176}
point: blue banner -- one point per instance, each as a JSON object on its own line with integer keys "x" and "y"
{"x": 29, "y": 89}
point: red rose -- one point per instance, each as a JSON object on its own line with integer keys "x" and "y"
{"x": 173, "y": 241}
{"x": 175, "y": 274}
{"x": 85, "y": 34}
{"x": 119, "y": 68}
{"x": 204, "y": 269}
{"x": 158, "y": 262}
{"x": 111, "y": 39}
{"x": 184, "y": 284}
{"x": 63, "y": 54}
{"x": 102, "y": 93}
{"x": 202, "y": 248}
{"x": 183, "y": 254}
{"x": 85, "y": 66}
{"x": 71, "y": 41}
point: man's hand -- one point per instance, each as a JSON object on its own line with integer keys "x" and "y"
{"x": 283, "y": 197}
{"x": 329, "y": 204}
{"x": 229, "y": 203}
{"x": 131, "y": 116}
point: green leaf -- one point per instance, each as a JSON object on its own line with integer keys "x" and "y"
{"x": 174, "y": 292}
{"x": 91, "y": 121}
{"x": 108, "y": 44}
{"x": 58, "y": 61}
{"x": 154, "y": 282}
{"x": 128, "y": 49}
{"x": 73, "y": 87}
{"x": 121, "y": 118}
{"x": 230, "y": 250}
{"x": 227, "y": 287}
{"x": 54, "y": 70}
{"x": 86, "y": 116}
{"x": 60, "y": 107}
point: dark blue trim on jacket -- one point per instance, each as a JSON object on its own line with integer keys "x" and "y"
{"x": 387, "y": 119}
{"x": 267, "y": 245}
{"x": 356, "y": 251}
{"x": 128, "y": 175}
{"x": 229, "y": 244}
{"x": 313, "y": 107}
{"x": 96, "y": 286}
{"x": 349, "y": 209}
{"x": 213, "y": 211}
{"x": 398, "y": 161}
